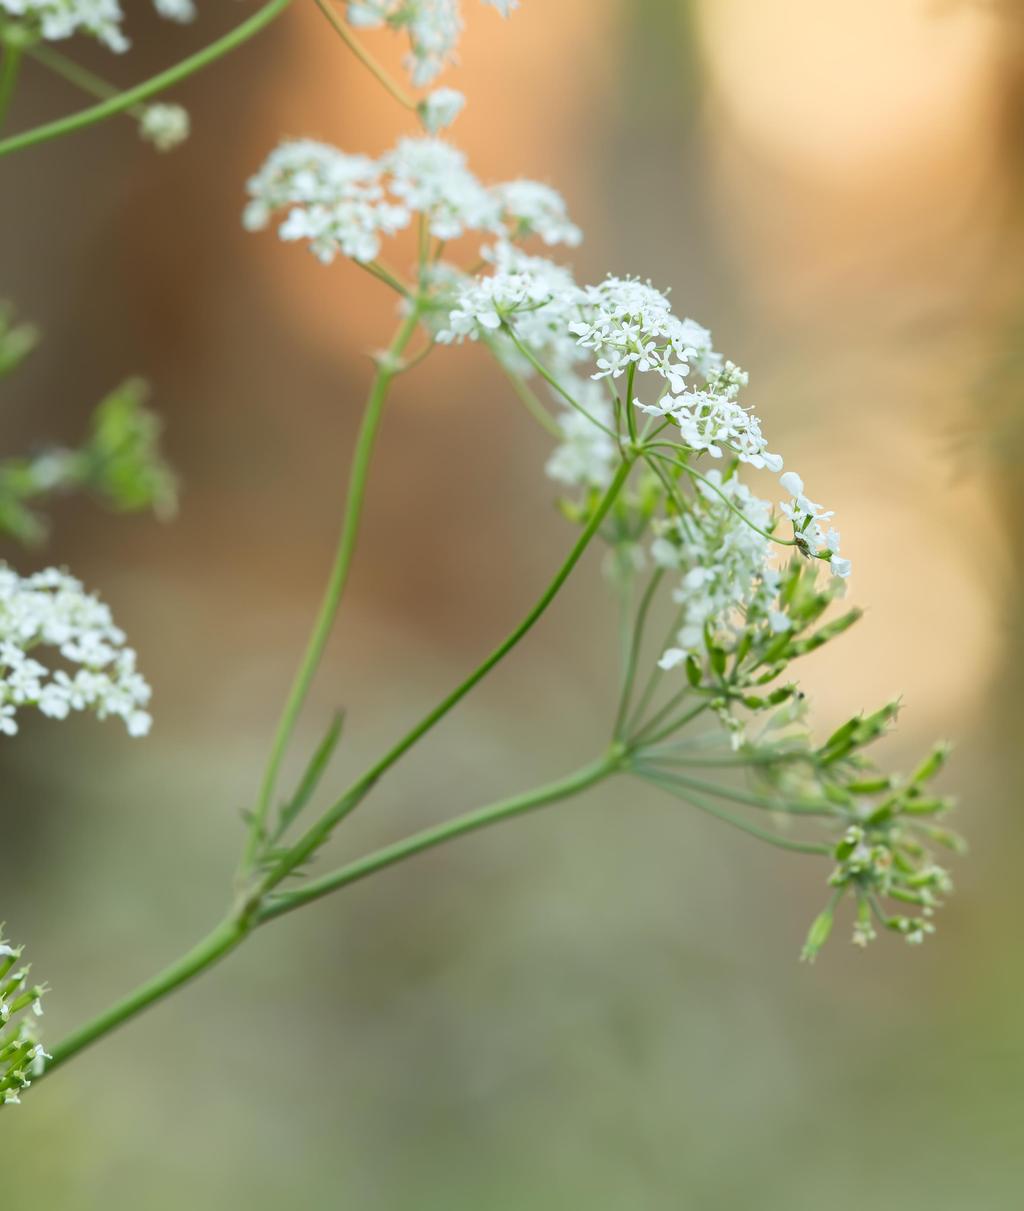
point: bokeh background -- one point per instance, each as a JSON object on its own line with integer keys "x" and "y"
{"x": 601, "y": 1006}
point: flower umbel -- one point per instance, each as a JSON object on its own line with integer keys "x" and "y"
{"x": 51, "y": 610}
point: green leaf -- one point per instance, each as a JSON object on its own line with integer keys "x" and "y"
{"x": 311, "y": 778}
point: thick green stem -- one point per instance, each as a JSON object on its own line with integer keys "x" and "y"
{"x": 388, "y": 366}
{"x": 318, "y": 834}
{"x": 429, "y": 838}
{"x": 149, "y": 88}
{"x": 232, "y": 932}
{"x": 204, "y": 955}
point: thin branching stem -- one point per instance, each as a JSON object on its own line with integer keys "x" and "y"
{"x": 315, "y": 837}
{"x": 633, "y": 654}
{"x": 363, "y": 55}
{"x": 762, "y": 834}
{"x": 387, "y": 368}
{"x": 549, "y": 378}
{"x": 148, "y": 88}
{"x": 440, "y": 834}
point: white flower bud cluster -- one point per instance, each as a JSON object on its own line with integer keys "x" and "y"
{"x": 101, "y": 19}
{"x": 440, "y": 108}
{"x": 52, "y": 610}
{"x": 346, "y": 204}
{"x": 433, "y": 28}
{"x": 165, "y": 126}
{"x": 335, "y": 201}
{"x": 21, "y": 1055}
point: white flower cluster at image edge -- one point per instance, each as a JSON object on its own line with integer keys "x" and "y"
{"x": 21, "y": 1054}
{"x": 51, "y": 610}
{"x": 101, "y": 19}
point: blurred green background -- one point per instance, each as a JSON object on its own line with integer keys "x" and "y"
{"x": 600, "y": 1006}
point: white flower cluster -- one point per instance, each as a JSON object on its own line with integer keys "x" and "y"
{"x": 345, "y": 203}
{"x": 21, "y": 1055}
{"x": 432, "y": 26}
{"x": 807, "y": 517}
{"x": 622, "y": 325}
{"x": 531, "y": 208}
{"x": 59, "y": 19}
{"x": 483, "y": 303}
{"x": 728, "y": 584}
{"x": 630, "y": 326}
{"x": 51, "y": 609}
{"x": 165, "y": 126}
{"x": 334, "y": 200}
{"x": 431, "y": 177}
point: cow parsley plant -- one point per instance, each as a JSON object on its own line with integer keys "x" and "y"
{"x": 725, "y": 571}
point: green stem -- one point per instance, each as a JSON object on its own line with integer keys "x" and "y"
{"x": 9, "y": 66}
{"x": 628, "y": 402}
{"x": 761, "y": 834}
{"x": 388, "y": 366}
{"x": 204, "y": 955}
{"x": 737, "y": 795}
{"x": 318, "y": 834}
{"x": 364, "y": 56}
{"x": 681, "y": 721}
{"x": 550, "y": 379}
{"x": 634, "y": 651}
{"x": 472, "y": 821}
{"x": 233, "y": 931}
{"x": 377, "y": 270}
{"x": 149, "y": 88}
{"x": 529, "y": 398}
{"x": 654, "y": 677}
{"x": 72, "y": 73}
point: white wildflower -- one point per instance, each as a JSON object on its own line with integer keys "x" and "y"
{"x": 181, "y": 11}
{"x": 334, "y": 200}
{"x": 430, "y": 176}
{"x": 165, "y": 126}
{"x": 532, "y": 208}
{"x": 433, "y": 28}
{"x": 727, "y": 581}
{"x": 51, "y": 610}
{"x": 483, "y": 304}
{"x": 807, "y": 517}
{"x": 627, "y": 323}
{"x": 101, "y": 19}
{"x": 440, "y": 108}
